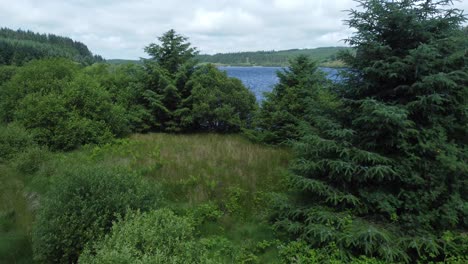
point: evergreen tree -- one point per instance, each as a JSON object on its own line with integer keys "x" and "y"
{"x": 173, "y": 52}
{"x": 182, "y": 97}
{"x": 168, "y": 70}
{"x": 300, "y": 86}
{"x": 389, "y": 178}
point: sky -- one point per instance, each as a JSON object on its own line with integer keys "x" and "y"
{"x": 121, "y": 29}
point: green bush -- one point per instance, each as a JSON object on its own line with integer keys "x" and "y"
{"x": 63, "y": 106}
{"x": 125, "y": 84}
{"x": 155, "y": 237}
{"x": 30, "y": 160}
{"x": 14, "y": 139}
{"x": 219, "y": 103}
{"x": 80, "y": 208}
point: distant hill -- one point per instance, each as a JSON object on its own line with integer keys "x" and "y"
{"x": 18, "y": 47}
{"x": 326, "y": 56}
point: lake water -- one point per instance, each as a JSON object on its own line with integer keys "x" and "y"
{"x": 262, "y": 79}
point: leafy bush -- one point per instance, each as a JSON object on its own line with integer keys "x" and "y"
{"x": 219, "y": 103}
{"x": 14, "y": 139}
{"x": 30, "y": 160}
{"x": 154, "y": 237}
{"x": 62, "y": 106}
{"x": 80, "y": 208}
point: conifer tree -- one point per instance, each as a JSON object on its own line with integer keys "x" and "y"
{"x": 170, "y": 66}
{"x": 300, "y": 86}
{"x": 389, "y": 178}
{"x": 173, "y": 52}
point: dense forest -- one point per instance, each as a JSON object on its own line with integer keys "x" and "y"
{"x": 172, "y": 161}
{"x": 18, "y": 47}
{"x": 327, "y": 56}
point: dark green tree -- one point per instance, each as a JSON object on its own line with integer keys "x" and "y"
{"x": 181, "y": 99}
{"x": 389, "y": 178}
{"x": 173, "y": 52}
{"x": 172, "y": 62}
{"x": 301, "y": 87}
{"x": 217, "y": 102}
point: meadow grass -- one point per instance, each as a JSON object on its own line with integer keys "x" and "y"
{"x": 227, "y": 172}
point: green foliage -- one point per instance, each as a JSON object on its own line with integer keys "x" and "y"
{"x": 18, "y": 47}
{"x": 392, "y": 162}
{"x": 13, "y": 140}
{"x": 300, "y": 252}
{"x": 219, "y": 103}
{"x": 302, "y": 91}
{"x": 30, "y": 160}
{"x": 154, "y": 237}
{"x": 62, "y": 107}
{"x": 125, "y": 84}
{"x": 14, "y": 245}
{"x": 80, "y": 208}
{"x": 327, "y": 56}
{"x": 6, "y": 72}
{"x": 173, "y": 52}
{"x": 182, "y": 98}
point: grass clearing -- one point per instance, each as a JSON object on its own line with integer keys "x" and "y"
{"x": 223, "y": 179}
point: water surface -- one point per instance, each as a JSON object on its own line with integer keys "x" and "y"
{"x": 262, "y": 79}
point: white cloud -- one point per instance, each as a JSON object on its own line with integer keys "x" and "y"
{"x": 122, "y": 28}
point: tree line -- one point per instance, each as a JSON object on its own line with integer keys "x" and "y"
{"x": 324, "y": 55}
{"x": 18, "y": 47}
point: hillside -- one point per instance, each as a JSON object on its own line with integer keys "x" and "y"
{"x": 325, "y": 55}
{"x": 18, "y": 47}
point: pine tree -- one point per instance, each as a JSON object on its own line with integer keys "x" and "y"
{"x": 300, "y": 87}
{"x": 389, "y": 178}
{"x": 173, "y": 52}
{"x": 171, "y": 64}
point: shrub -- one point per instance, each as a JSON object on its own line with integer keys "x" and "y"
{"x": 81, "y": 206}
{"x": 13, "y": 139}
{"x": 219, "y": 103}
{"x": 63, "y": 106}
{"x": 154, "y": 237}
{"x": 30, "y": 160}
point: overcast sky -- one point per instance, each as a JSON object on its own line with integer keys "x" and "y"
{"x": 121, "y": 29}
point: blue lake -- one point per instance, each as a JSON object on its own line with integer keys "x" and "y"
{"x": 262, "y": 79}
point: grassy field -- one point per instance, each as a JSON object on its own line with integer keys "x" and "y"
{"x": 224, "y": 176}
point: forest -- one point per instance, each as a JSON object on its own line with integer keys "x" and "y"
{"x": 18, "y": 47}
{"x": 172, "y": 161}
{"x": 326, "y": 56}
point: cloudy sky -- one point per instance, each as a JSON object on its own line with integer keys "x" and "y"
{"x": 120, "y": 29}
